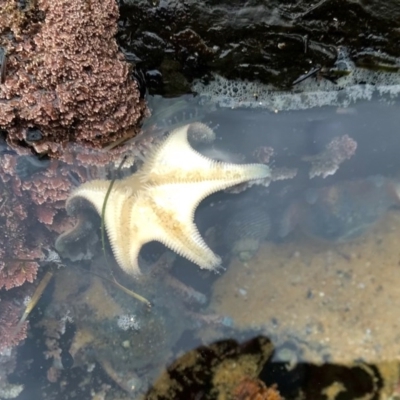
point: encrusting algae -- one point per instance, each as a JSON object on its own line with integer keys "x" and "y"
{"x": 254, "y": 389}
{"x": 216, "y": 372}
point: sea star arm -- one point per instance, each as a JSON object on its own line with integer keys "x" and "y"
{"x": 188, "y": 243}
{"x": 175, "y": 161}
{"x": 170, "y": 219}
{"x": 153, "y": 215}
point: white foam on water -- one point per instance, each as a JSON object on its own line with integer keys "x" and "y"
{"x": 358, "y": 84}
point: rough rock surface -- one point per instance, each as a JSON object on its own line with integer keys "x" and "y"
{"x": 272, "y": 41}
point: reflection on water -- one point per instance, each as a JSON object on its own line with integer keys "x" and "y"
{"x": 307, "y": 299}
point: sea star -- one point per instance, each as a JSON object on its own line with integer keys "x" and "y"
{"x": 159, "y": 201}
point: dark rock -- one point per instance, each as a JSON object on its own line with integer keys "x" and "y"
{"x": 33, "y": 135}
{"x": 274, "y": 41}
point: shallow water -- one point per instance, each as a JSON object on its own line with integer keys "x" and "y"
{"x": 309, "y": 264}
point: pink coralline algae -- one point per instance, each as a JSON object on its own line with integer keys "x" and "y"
{"x": 14, "y": 250}
{"x": 9, "y": 317}
{"x": 65, "y": 75}
{"x": 66, "y": 78}
{"x": 337, "y": 151}
{"x": 36, "y": 203}
{"x": 66, "y": 92}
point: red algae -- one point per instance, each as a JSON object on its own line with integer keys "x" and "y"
{"x": 66, "y": 91}
{"x": 9, "y": 317}
{"x": 254, "y": 389}
{"x": 327, "y": 162}
{"x": 65, "y": 75}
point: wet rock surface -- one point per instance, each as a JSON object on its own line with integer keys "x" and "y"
{"x": 274, "y": 42}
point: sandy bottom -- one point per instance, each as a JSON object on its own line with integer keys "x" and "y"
{"x": 334, "y": 302}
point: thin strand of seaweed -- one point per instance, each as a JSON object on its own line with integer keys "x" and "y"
{"x": 35, "y": 298}
{"x": 103, "y": 209}
{"x": 103, "y": 241}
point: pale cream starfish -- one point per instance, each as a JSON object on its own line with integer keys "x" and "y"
{"x": 159, "y": 201}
